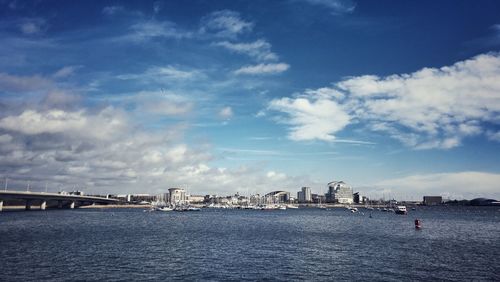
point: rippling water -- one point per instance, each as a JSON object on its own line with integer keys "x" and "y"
{"x": 456, "y": 243}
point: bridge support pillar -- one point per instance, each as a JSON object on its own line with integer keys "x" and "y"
{"x": 28, "y": 205}
{"x": 72, "y": 205}
{"x": 43, "y": 206}
{"x": 1, "y": 205}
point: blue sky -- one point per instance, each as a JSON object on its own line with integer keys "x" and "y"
{"x": 397, "y": 98}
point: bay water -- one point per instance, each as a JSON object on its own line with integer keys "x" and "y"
{"x": 455, "y": 244}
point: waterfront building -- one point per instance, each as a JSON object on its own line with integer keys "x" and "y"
{"x": 210, "y": 199}
{"x": 277, "y": 197}
{"x": 365, "y": 200}
{"x": 432, "y": 200}
{"x": 305, "y": 195}
{"x": 195, "y": 198}
{"x": 177, "y": 196}
{"x": 339, "y": 192}
{"x": 140, "y": 198}
{"x": 234, "y": 200}
{"x": 255, "y": 199}
{"x": 358, "y": 199}
{"x": 318, "y": 199}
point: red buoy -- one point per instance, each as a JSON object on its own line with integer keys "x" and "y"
{"x": 418, "y": 224}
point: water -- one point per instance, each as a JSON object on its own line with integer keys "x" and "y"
{"x": 456, "y": 243}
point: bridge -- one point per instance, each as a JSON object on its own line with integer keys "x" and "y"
{"x": 51, "y": 200}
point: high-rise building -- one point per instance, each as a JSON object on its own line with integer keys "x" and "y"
{"x": 339, "y": 192}
{"x": 305, "y": 196}
{"x": 358, "y": 199}
{"x": 177, "y": 196}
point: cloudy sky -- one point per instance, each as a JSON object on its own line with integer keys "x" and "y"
{"x": 397, "y": 98}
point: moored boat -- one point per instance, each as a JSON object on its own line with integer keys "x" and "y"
{"x": 400, "y": 210}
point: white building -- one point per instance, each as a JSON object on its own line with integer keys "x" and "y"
{"x": 195, "y": 199}
{"x": 339, "y": 192}
{"x": 177, "y": 196}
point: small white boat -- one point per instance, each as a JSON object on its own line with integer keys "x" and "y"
{"x": 353, "y": 210}
{"x": 400, "y": 210}
{"x": 165, "y": 209}
{"x": 291, "y": 207}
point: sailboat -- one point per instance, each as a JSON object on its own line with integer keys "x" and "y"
{"x": 165, "y": 209}
{"x": 320, "y": 205}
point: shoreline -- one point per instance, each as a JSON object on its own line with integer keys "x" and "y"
{"x": 38, "y": 208}
{"x": 115, "y": 206}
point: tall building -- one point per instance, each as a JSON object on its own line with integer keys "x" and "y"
{"x": 358, "y": 199}
{"x": 177, "y": 196}
{"x": 305, "y": 195}
{"x": 339, "y": 192}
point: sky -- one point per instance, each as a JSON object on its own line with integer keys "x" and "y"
{"x": 399, "y": 99}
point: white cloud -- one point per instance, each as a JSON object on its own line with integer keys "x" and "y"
{"x": 157, "y": 7}
{"x": 311, "y": 119}
{"x": 260, "y": 49}
{"x": 430, "y": 108}
{"x": 16, "y": 5}
{"x": 442, "y": 106}
{"x": 5, "y": 138}
{"x": 466, "y": 184}
{"x": 167, "y": 107}
{"x": 324, "y": 93}
{"x": 32, "y": 26}
{"x": 65, "y": 71}
{"x": 171, "y": 72}
{"x": 108, "y": 150}
{"x": 226, "y": 113}
{"x": 335, "y": 6}
{"x": 225, "y": 23}
{"x": 263, "y": 69}
{"x": 111, "y": 10}
{"x": 162, "y": 74}
{"x": 276, "y": 176}
{"x": 106, "y": 124}
{"x": 60, "y": 99}
{"x": 156, "y": 29}
{"x": 492, "y": 135}
{"x": 13, "y": 83}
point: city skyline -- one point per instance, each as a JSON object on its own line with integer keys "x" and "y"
{"x": 396, "y": 98}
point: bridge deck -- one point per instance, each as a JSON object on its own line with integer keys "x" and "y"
{"x": 45, "y": 199}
